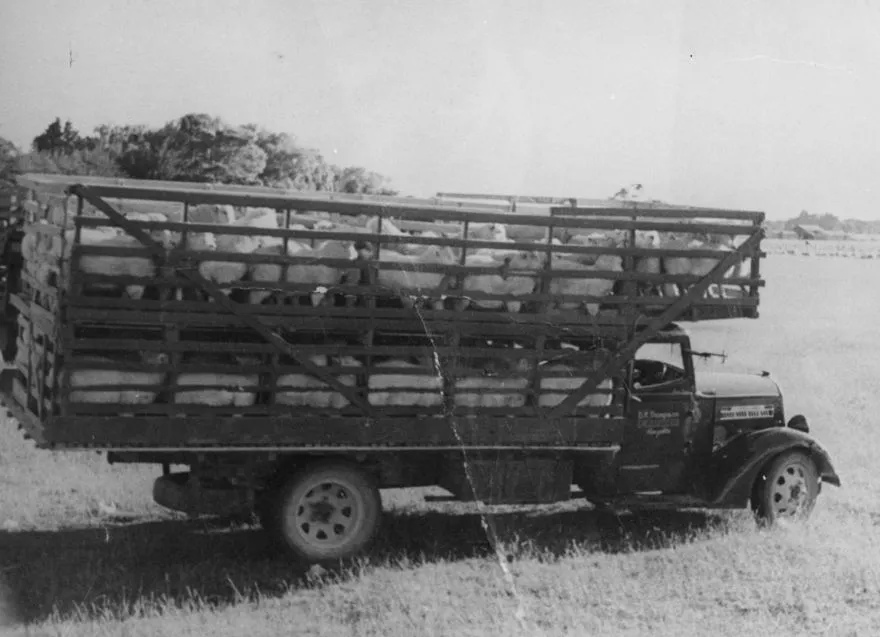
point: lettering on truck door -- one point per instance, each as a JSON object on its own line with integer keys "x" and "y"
{"x": 652, "y": 457}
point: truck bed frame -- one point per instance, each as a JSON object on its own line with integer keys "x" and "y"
{"x": 58, "y": 323}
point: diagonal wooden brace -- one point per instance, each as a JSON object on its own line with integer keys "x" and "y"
{"x": 616, "y": 362}
{"x": 217, "y": 294}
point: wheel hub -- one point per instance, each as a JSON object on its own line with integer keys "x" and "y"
{"x": 327, "y": 514}
{"x": 790, "y": 492}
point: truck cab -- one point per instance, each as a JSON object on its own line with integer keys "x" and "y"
{"x": 711, "y": 436}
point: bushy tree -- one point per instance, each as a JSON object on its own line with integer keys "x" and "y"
{"x": 58, "y": 138}
{"x": 8, "y": 154}
{"x": 357, "y": 180}
{"x": 291, "y": 166}
{"x": 827, "y": 221}
{"x": 96, "y": 163}
{"x": 197, "y": 147}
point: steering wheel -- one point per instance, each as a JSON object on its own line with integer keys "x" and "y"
{"x": 647, "y": 373}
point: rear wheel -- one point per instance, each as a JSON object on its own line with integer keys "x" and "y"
{"x": 786, "y": 489}
{"x": 327, "y": 512}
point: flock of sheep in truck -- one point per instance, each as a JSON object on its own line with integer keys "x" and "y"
{"x": 507, "y": 273}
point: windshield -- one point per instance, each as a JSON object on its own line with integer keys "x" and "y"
{"x": 669, "y": 353}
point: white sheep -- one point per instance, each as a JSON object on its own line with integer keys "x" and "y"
{"x": 488, "y": 232}
{"x": 226, "y": 272}
{"x": 385, "y": 392}
{"x": 319, "y": 394}
{"x": 513, "y": 285}
{"x": 97, "y": 377}
{"x": 410, "y": 276}
{"x": 484, "y": 391}
{"x": 316, "y": 274}
{"x": 561, "y": 386}
{"x": 413, "y": 248}
{"x": 322, "y": 224}
{"x": 239, "y": 389}
{"x": 211, "y": 213}
{"x": 583, "y": 286}
{"x": 697, "y": 266}
{"x": 372, "y": 227}
{"x": 139, "y": 266}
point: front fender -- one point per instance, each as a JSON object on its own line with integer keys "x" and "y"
{"x": 738, "y": 463}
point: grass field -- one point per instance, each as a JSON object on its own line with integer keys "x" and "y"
{"x": 859, "y": 247}
{"x": 83, "y": 551}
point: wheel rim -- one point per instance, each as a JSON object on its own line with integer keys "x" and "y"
{"x": 326, "y": 515}
{"x": 789, "y": 491}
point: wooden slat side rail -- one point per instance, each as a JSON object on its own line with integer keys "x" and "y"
{"x": 658, "y": 212}
{"x": 57, "y": 184}
{"x": 61, "y": 182}
{"x": 401, "y": 210}
{"x": 414, "y": 412}
{"x": 654, "y": 326}
{"x": 221, "y": 298}
{"x": 452, "y": 242}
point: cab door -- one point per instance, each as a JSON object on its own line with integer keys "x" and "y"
{"x": 653, "y": 456}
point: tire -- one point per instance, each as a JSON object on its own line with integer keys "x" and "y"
{"x": 786, "y": 489}
{"x": 325, "y": 513}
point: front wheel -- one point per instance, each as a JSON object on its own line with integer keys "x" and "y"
{"x": 787, "y": 489}
{"x": 327, "y": 512}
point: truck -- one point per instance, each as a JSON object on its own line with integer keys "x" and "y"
{"x": 424, "y": 360}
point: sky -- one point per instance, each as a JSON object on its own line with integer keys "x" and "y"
{"x": 750, "y": 104}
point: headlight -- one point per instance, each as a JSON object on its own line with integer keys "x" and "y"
{"x": 799, "y": 423}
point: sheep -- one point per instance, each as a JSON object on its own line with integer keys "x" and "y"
{"x": 239, "y": 389}
{"x": 488, "y": 232}
{"x": 225, "y": 272}
{"x": 147, "y": 216}
{"x": 97, "y": 377}
{"x": 410, "y": 277}
{"x": 582, "y": 286}
{"x": 564, "y": 386}
{"x": 413, "y": 248}
{"x": 384, "y": 392}
{"x": 139, "y": 266}
{"x": 212, "y": 213}
{"x": 697, "y": 266}
{"x": 500, "y": 283}
{"x": 317, "y": 274}
{"x": 388, "y": 228}
{"x": 319, "y": 394}
{"x": 477, "y": 391}
{"x": 321, "y": 224}
{"x": 293, "y": 226}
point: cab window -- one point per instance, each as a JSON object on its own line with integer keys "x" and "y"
{"x": 657, "y": 364}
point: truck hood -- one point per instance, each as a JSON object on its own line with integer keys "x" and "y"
{"x": 727, "y": 385}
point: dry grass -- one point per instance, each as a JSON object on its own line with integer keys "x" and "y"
{"x": 863, "y": 247}
{"x": 70, "y": 569}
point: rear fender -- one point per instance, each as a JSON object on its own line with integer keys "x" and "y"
{"x": 739, "y": 462}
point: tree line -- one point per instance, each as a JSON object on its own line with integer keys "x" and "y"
{"x": 827, "y": 221}
{"x": 196, "y": 147}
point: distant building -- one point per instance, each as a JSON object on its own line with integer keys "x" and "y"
{"x": 809, "y": 232}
